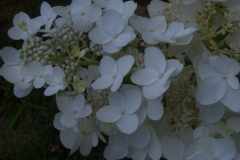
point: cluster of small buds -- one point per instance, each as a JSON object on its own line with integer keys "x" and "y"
{"x": 97, "y": 98}
{"x": 34, "y": 49}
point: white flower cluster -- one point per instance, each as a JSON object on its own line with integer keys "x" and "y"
{"x": 119, "y": 74}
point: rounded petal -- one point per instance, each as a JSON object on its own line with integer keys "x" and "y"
{"x": 233, "y": 82}
{"x": 231, "y": 99}
{"x": 116, "y": 5}
{"x": 15, "y": 33}
{"x": 108, "y": 114}
{"x": 111, "y": 47}
{"x": 154, "y": 109}
{"x": 78, "y": 102}
{"x": 99, "y": 36}
{"x": 128, "y": 123}
{"x": 65, "y": 104}
{"x": 86, "y": 146}
{"x": 51, "y": 90}
{"x": 122, "y": 39}
{"x": 201, "y": 131}
{"x": 112, "y": 22}
{"x": 155, "y": 59}
{"x": 154, "y": 149}
{"x": 115, "y": 152}
{"x": 38, "y": 83}
{"x": 124, "y": 64}
{"x": 116, "y": 83}
{"x": 108, "y": 66}
{"x": 211, "y": 90}
{"x": 139, "y": 23}
{"x": 19, "y": 92}
{"x": 137, "y": 139}
{"x": 155, "y": 90}
{"x": 224, "y": 149}
{"x": 116, "y": 100}
{"x": 92, "y": 13}
{"x": 36, "y": 68}
{"x": 172, "y": 148}
{"x": 144, "y": 76}
{"x": 10, "y": 55}
{"x": 56, "y": 122}
{"x": 212, "y": 113}
{"x": 68, "y": 120}
{"x": 133, "y": 100}
{"x": 20, "y": 17}
{"x": 102, "y": 82}
{"x": 86, "y": 111}
{"x": 67, "y": 137}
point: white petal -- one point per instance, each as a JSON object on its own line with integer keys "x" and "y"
{"x": 92, "y": 13}
{"x": 122, "y": 39}
{"x": 233, "y": 82}
{"x": 108, "y": 114}
{"x": 124, "y": 64}
{"x": 67, "y": 137}
{"x": 206, "y": 70}
{"x": 155, "y": 90}
{"x": 51, "y": 90}
{"x": 224, "y": 149}
{"x": 231, "y": 99}
{"x": 38, "y": 83}
{"x": 36, "y": 68}
{"x": 116, "y": 83}
{"x": 155, "y": 59}
{"x": 108, "y": 66}
{"x": 139, "y": 23}
{"x": 141, "y": 113}
{"x": 99, "y": 36}
{"x": 65, "y": 104}
{"x": 233, "y": 122}
{"x": 21, "y": 16}
{"x": 128, "y": 123}
{"x": 86, "y": 111}
{"x": 116, "y": 100}
{"x": 68, "y": 120}
{"x": 212, "y": 113}
{"x": 112, "y": 22}
{"x": 211, "y": 90}
{"x": 133, "y": 100}
{"x": 158, "y": 23}
{"x": 154, "y": 109}
{"x": 86, "y": 146}
{"x": 11, "y": 74}
{"x": 111, "y": 47}
{"x": 172, "y": 148}
{"x": 78, "y": 102}
{"x": 201, "y": 131}
{"x": 15, "y": 33}
{"x": 56, "y": 122}
{"x": 154, "y": 149}
{"x": 19, "y": 92}
{"x": 129, "y": 8}
{"x": 144, "y": 76}
{"x": 112, "y": 152}
{"x": 137, "y": 139}
{"x": 119, "y": 139}
{"x": 10, "y": 55}
{"x": 102, "y": 82}
{"x": 116, "y": 5}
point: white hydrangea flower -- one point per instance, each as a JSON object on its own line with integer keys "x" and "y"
{"x": 47, "y": 15}
{"x": 100, "y": 3}
{"x": 112, "y": 72}
{"x": 121, "y": 110}
{"x": 89, "y": 75}
{"x": 72, "y": 109}
{"x": 219, "y": 82}
{"x": 123, "y": 145}
{"x": 111, "y": 32}
{"x": 155, "y": 76}
{"x": 56, "y": 81}
{"x": 38, "y": 71}
{"x": 23, "y": 27}
{"x": 149, "y": 27}
{"x": 126, "y": 9}
{"x": 84, "y": 135}
{"x": 176, "y": 34}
